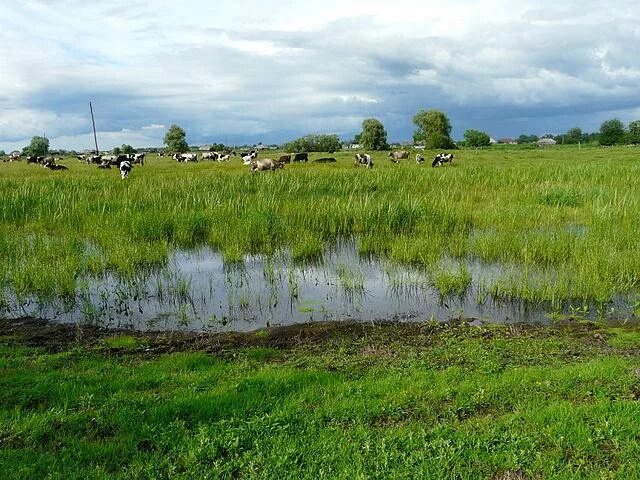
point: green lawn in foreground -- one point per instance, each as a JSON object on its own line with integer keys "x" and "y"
{"x": 366, "y": 402}
{"x": 564, "y": 220}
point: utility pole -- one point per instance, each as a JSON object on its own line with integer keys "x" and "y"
{"x": 95, "y": 138}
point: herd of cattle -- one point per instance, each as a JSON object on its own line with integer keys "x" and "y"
{"x": 125, "y": 162}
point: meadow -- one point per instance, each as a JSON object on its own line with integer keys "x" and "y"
{"x": 431, "y": 400}
{"x": 566, "y": 220}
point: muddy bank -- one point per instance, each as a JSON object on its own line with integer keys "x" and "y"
{"x": 51, "y": 336}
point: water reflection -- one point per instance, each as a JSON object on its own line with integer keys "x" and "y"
{"x": 198, "y": 291}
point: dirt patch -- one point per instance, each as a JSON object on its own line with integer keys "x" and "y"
{"x": 369, "y": 339}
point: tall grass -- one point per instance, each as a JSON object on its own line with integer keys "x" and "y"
{"x": 571, "y": 213}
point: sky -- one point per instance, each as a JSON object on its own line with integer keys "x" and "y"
{"x": 243, "y": 72}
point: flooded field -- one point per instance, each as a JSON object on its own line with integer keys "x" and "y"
{"x": 198, "y": 291}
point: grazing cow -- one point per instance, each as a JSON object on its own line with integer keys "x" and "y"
{"x": 442, "y": 158}
{"x": 97, "y": 159}
{"x": 325, "y": 160}
{"x": 300, "y": 157}
{"x": 363, "y": 159}
{"x": 248, "y": 159}
{"x": 285, "y": 159}
{"x": 185, "y": 157}
{"x": 224, "y": 158}
{"x": 397, "y": 155}
{"x": 210, "y": 156}
{"x": 14, "y": 157}
{"x": 51, "y": 165}
{"x": 32, "y": 159}
{"x": 419, "y": 158}
{"x": 125, "y": 168}
{"x": 137, "y": 158}
{"x": 258, "y": 165}
{"x": 105, "y": 165}
{"x": 109, "y": 158}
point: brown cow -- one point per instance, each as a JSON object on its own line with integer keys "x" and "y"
{"x": 285, "y": 159}
{"x": 258, "y": 165}
{"x": 397, "y": 155}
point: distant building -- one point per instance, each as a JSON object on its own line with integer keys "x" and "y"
{"x": 492, "y": 141}
{"x": 205, "y": 148}
{"x": 508, "y": 141}
{"x": 355, "y": 146}
{"x": 546, "y": 142}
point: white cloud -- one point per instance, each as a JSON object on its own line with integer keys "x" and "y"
{"x": 258, "y": 68}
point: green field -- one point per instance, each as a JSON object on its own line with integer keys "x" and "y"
{"x": 566, "y": 220}
{"x": 427, "y": 401}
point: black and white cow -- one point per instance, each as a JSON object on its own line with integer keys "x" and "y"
{"x": 419, "y": 158}
{"x": 247, "y": 159}
{"x": 363, "y": 159}
{"x": 442, "y": 158}
{"x": 125, "y": 168}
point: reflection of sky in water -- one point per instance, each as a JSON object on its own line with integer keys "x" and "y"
{"x": 199, "y": 292}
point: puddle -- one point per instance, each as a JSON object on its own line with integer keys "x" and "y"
{"x": 199, "y": 292}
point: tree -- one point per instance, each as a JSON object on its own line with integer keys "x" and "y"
{"x": 314, "y": 143}
{"x": 117, "y": 151}
{"x": 476, "y": 138}
{"x": 434, "y": 129}
{"x": 39, "y": 146}
{"x": 611, "y": 132}
{"x": 175, "y": 139}
{"x": 634, "y": 131}
{"x": 127, "y": 149}
{"x": 573, "y": 135}
{"x": 2, "y": 154}
{"x": 373, "y": 135}
{"x": 527, "y": 139}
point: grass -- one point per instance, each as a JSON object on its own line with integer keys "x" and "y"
{"x": 394, "y": 401}
{"x": 565, "y": 218}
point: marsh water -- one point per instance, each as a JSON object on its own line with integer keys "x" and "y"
{"x": 198, "y": 291}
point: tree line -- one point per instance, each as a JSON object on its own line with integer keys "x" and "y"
{"x": 433, "y": 130}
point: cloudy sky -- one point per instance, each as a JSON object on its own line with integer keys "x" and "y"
{"x": 249, "y": 71}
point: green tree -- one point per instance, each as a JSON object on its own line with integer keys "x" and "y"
{"x": 175, "y": 139}
{"x": 38, "y": 146}
{"x": 314, "y": 143}
{"x": 476, "y": 138}
{"x": 373, "y": 135}
{"x": 2, "y": 154}
{"x": 117, "y": 151}
{"x": 127, "y": 149}
{"x": 434, "y": 129}
{"x": 634, "y": 131}
{"x": 527, "y": 139}
{"x": 573, "y": 136}
{"x": 611, "y": 132}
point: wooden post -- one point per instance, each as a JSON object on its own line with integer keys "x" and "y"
{"x": 95, "y": 138}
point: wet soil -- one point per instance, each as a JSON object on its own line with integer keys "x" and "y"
{"x": 54, "y": 337}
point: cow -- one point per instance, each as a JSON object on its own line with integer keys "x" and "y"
{"x": 137, "y": 158}
{"x": 93, "y": 159}
{"x": 105, "y": 165}
{"x": 419, "y": 159}
{"x": 258, "y": 165}
{"x": 442, "y": 158}
{"x": 32, "y": 159}
{"x": 210, "y": 156}
{"x": 109, "y": 158}
{"x": 248, "y": 159}
{"x": 397, "y": 155}
{"x": 301, "y": 157}
{"x": 285, "y": 159}
{"x": 224, "y": 158}
{"x": 51, "y": 165}
{"x": 325, "y": 160}
{"x": 125, "y": 168}
{"x": 363, "y": 159}
{"x": 185, "y": 157}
